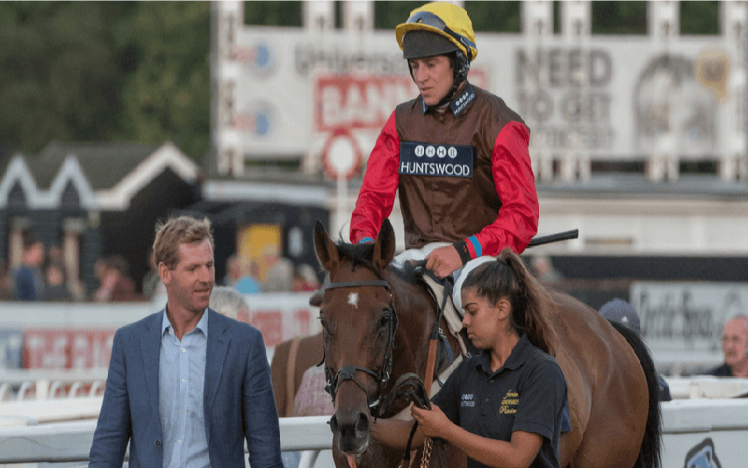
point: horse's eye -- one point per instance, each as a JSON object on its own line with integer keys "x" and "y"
{"x": 384, "y": 321}
{"x": 326, "y": 333}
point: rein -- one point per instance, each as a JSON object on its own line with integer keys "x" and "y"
{"x": 349, "y": 372}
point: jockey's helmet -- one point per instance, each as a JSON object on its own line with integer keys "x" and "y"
{"x": 439, "y": 28}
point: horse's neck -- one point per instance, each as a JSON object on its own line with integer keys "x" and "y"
{"x": 410, "y": 297}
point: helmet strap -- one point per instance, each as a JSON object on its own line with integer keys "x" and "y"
{"x": 460, "y": 67}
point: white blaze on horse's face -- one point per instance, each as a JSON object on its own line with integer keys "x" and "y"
{"x": 353, "y": 299}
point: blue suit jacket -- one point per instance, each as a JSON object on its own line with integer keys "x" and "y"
{"x": 238, "y": 398}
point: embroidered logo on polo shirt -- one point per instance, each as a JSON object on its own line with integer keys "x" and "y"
{"x": 426, "y": 159}
{"x": 466, "y": 400}
{"x": 509, "y": 403}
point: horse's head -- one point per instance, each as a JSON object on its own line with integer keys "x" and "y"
{"x": 359, "y": 323}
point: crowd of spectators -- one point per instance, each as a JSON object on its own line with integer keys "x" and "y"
{"x": 281, "y": 275}
{"x": 115, "y": 284}
{"x": 42, "y": 275}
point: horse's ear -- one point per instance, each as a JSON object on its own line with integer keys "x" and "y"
{"x": 325, "y": 248}
{"x": 384, "y": 247}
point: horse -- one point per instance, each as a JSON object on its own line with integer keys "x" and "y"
{"x": 376, "y": 325}
{"x": 290, "y": 360}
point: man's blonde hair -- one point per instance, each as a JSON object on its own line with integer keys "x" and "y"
{"x": 175, "y": 231}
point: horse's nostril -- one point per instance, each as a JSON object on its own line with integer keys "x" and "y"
{"x": 334, "y": 424}
{"x": 362, "y": 425}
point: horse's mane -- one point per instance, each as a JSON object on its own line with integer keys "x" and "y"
{"x": 360, "y": 254}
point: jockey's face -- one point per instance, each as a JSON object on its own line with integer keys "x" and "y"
{"x": 433, "y": 76}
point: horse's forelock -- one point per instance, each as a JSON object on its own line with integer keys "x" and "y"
{"x": 358, "y": 254}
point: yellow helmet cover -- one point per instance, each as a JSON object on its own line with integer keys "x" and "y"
{"x": 445, "y": 19}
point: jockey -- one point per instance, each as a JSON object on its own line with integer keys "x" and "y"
{"x": 457, "y": 156}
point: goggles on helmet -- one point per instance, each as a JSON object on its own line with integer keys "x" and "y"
{"x": 430, "y": 19}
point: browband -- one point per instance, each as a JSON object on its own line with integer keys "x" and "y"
{"x": 353, "y": 284}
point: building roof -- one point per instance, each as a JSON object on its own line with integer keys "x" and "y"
{"x": 104, "y": 164}
{"x": 107, "y": 175}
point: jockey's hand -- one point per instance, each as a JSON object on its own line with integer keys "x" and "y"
{"x": 433, "y": 422}
{"x": 443, "y": 261}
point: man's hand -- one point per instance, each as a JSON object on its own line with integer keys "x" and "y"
{"x": 443, "y": 261}
{"x": 433, "y": 422}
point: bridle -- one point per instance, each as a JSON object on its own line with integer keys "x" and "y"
{"x": 349, "y": 372}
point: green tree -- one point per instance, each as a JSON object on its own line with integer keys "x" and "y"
{"x": 619, "y": 17}
{"x": 58, "y": 74}
{"x": 631, "y": 17}
{"x": 164, "y": 49}
{"x": 498, "y": 17}
{"x": 273, "y": 13}
{"x": 699, "y": 17}
{"x": 388, "y": 14}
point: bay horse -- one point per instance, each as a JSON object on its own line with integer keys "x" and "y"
{"x": 376, "y": 323}
{"x": 291, "y": 359}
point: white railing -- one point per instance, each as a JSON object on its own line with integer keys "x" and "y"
{"x": 52, "y": 411}
{"x": 686, "y": 424}
{"x": 20, "y": 384}
{"x": 71, "y": 441}
{"x": 707, "y": 386}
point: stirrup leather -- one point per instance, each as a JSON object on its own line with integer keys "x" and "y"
{"x": 449, "y": 312}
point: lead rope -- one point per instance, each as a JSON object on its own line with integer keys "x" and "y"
{"x": 430, "y": 370}
{"x": 427, "y": 443}
{"x": 429, "y": 378}
{"x": 426, "y": 456}
{"x": 430, "y": 365}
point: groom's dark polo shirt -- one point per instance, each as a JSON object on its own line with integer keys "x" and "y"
{"x": 528, "y": 393}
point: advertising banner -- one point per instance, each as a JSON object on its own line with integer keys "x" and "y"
{"x": 52, "y": 339}
{"x": 607, "y": 96}
{"x": 67, "y": 349}
{"x": 683, "y": 322}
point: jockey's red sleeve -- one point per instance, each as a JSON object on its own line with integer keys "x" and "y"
{"x": 377, "y": 195}
{"x": 517, "y": 221}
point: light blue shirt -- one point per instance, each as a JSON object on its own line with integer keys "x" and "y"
{"x": 181, "y": 375}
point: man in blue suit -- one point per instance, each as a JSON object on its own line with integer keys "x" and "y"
{"x": 187, "y": 386}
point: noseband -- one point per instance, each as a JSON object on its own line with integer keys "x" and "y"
{"x": 349, "y": 372}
